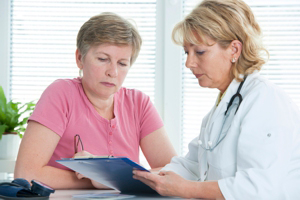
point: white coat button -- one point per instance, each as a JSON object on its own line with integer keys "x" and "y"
{"x": 209, "y": 143}
{"x": 199, "y": 142}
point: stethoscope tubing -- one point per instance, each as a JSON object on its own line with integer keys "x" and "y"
{"x": 219, "y": 139}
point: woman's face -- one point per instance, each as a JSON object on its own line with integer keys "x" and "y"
{"x": 104, "y": 68}
{"x": 210, "y": 64}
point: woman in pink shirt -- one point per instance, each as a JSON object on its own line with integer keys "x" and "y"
{"x": 110, "y": 119}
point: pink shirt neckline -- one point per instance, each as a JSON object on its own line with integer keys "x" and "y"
{"x": 92, "y": 108}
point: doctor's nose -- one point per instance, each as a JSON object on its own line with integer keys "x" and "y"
{"x": 112, "y": 70}
{"x": 190, "y": 61}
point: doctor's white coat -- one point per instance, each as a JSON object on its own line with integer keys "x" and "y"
{"x": 259, "y": 157}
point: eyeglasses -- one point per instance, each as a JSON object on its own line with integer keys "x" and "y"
{"x": 77, "y": 140}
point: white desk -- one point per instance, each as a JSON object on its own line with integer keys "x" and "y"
{"x": 67, "y": 194}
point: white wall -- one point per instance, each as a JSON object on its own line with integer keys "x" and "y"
{"x": 172, "y": 74}
{"x": 4, "y": 44}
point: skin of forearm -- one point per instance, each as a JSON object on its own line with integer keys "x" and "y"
{"x": 206, "y": 190}
{"x": 55, "y": 178}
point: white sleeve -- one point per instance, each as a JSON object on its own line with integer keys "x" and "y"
{"x": 187, "y": 166}
{"x": 264, "y": 148}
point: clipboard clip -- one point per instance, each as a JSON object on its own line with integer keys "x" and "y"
{"x": 88, "y": 157}
{"x": 92, "y": 156}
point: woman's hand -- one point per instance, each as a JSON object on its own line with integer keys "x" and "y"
{"x": 80, "y": 176}
{"x": 82, "y": 154}
{"x": 166, "y": 183}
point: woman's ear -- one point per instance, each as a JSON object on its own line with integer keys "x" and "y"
{"x": 78, "y": 59}
{"x": 236, "y": 50}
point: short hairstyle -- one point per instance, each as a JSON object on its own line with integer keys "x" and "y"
{"x": 224, "y": 21}
{"x": 108, "y": 28}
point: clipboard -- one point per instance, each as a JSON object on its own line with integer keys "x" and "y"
{"x": 114, "y": 172}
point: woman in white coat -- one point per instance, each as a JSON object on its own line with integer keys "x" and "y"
{"x": 249, "y": 143}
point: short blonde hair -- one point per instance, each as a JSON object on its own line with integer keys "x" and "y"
{"x": 224, "y": 21}
{"x": 108, "y": 28}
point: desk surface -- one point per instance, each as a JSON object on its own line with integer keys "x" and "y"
{"x": 67, "y": 194}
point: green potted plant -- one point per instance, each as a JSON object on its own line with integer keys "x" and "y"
{"x": 13, "y": 117}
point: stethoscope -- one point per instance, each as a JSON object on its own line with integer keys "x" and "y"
{"x": 210, "y": 145}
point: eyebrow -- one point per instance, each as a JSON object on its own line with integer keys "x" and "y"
{"x": 101, "y": 52}
{"x": 190, "y": 44}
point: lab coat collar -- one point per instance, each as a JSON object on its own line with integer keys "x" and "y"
{"x": 233, "y": 87}
{"x": 231, "y": 90}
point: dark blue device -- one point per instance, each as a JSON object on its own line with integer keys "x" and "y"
{"x": 21, "y": 188}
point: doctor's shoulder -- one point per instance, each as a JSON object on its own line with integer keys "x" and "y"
{"x": 258, "y": 92}
{"x": 261, "y": 87}
{"x": 265, "y": 94}
{"x": 276, "y": 92}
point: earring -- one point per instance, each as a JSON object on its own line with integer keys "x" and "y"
{"x": 233, "y": 60}
{"x": 80, "y": 73}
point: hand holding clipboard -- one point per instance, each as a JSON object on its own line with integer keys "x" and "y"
{"x": 84, "y": 154}
{"x": 114, "y": 172}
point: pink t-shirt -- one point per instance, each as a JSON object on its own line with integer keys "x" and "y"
{"x": 65, "y": 109}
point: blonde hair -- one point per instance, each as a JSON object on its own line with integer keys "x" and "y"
{"x": 108, "y": 28}
{"x": 224, "y": 21}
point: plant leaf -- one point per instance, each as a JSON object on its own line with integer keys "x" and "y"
{"x": 21, "y": 135}
{"x": 24, "y": 121}
{"x": 14, "y": 106}
{"x": 2, "y": 116}
{"x": 2, "y": 105}
{"x": 30, "y": 107}
{"x": 2, "y": 130}
{"x": 20, "y": 129}
{"x": 13, "y": 115}
{"x": 2, "y": 97}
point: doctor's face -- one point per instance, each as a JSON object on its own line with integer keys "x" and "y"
{"x": 210, "y": 64}
{"x": 104, "y": 68}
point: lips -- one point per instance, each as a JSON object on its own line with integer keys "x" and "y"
{"x": 198, "y": 75}
{"x": 107, "y": 84}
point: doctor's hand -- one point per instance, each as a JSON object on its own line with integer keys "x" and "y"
{"x": 166, "y": 183}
